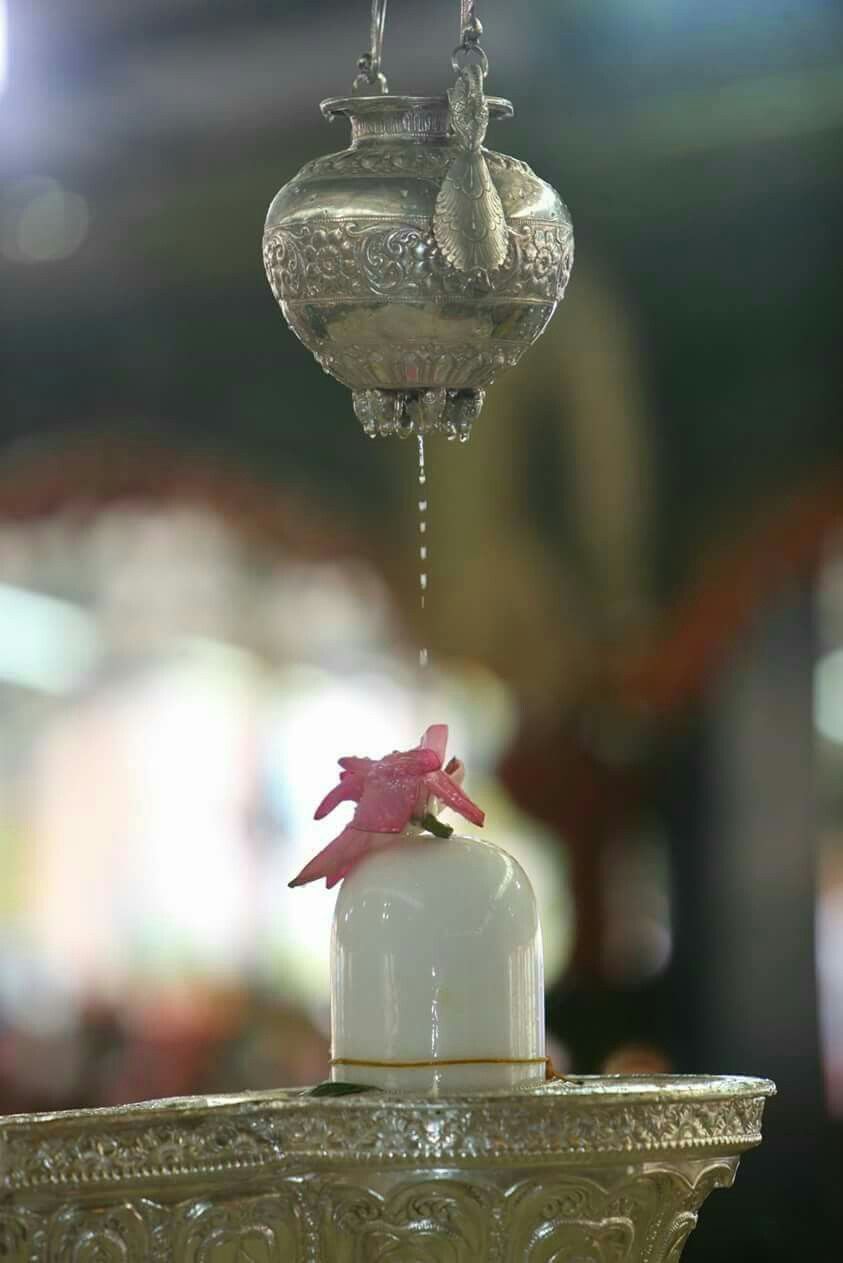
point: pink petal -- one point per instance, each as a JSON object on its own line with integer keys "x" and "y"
{"x": 353, "y": 764}
{"x": 377, "y": 841}
{"x": 416, "y": 762}
{"x": 350, "y": 789}
{"x": 426, "y": 801}
{"x": 448, "y": 792}
{"x": 436, "y": 739}
{"x": 388, "y": 792}
{"x": 387, "y": 803}
{"x": 337, "y": 858}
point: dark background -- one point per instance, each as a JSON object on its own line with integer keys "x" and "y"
{"x": 640, "y": 541}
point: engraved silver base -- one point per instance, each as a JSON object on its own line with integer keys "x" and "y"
{"x": 405, "y": 413}
{"x": 612, "y": 1170}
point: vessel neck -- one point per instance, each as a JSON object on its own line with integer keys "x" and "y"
{"x": 389, "y": 117}
{"x": 414, "y": 123}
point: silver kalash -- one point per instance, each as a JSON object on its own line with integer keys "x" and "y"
{"x": 417, "y": 265}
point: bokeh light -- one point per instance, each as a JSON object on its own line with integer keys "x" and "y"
{"x": 828, "y": 696}
{"x": 42, "y": 222}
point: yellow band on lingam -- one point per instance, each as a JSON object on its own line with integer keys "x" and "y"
{"x": 550, "y": 1072}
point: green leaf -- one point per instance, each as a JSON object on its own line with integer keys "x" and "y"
{"x": 329, "y": 1088}
{"x": 436, "y": 827}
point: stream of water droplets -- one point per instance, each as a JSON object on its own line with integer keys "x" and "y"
{"x": 424, "y": 655}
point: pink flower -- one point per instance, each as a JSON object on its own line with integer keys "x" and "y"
{"x": 389, "y": 792}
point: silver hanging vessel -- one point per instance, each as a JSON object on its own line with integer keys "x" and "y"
{"x": 417, "y": 265}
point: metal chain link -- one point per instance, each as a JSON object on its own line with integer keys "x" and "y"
{"x": 471, "y": 29}
{"x": 372, "y": 78}
{"x": 470, "y": 26}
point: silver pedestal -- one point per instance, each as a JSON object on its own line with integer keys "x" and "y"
{"x": 597, "y": 1170}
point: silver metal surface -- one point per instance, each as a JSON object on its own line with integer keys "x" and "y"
{"x": 352, "y": 258}
{"x": 612, "y": 1170}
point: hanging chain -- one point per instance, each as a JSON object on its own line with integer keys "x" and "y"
{"x": 471, "y": 29}
{"x": 470, "y": 26}
{"x": 371, "y": 77}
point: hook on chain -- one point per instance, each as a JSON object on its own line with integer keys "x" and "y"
{"x": 471, "y": 28}
{"x": 371, "y": 77}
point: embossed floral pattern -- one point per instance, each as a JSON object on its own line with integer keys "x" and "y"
{"x": 608, "y": 1215}
{"x": 318, "y": 266}
{"x": 425, "y": 161}
{"x": 603, "y": 1171}
{"x": 287, "y": 1127}
{"x": 418, "y": 364}
{"x": 336, "y": 259}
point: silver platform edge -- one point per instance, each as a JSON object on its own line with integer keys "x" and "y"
{"x": 609, "y": 1169}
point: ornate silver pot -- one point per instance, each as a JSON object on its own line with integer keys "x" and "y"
{"x": 602, "y": 1170}
{"x": 416, "y": 265}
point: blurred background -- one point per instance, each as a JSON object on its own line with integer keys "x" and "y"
{"x": 208, "y": 579}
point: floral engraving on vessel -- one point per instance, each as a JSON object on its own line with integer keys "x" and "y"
{"x": 353, "y": 259}
{"x": 23, "y": 1234}
{"x": 287, "y": 1128}
{"x": 532, "y": 1216}
{"x": 272, "y": 1229}
{"x": 418, "y": 364}
{"x": 422, "y": 121}
{"x": 425, "y": 161}
{"x": 435, "y": 1220}
{"x": 120, "y": 1233}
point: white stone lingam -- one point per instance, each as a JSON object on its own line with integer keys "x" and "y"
{"x": 437, "y": 979}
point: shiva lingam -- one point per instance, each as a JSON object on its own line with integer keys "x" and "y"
{"x": 417, "y": 265}
{"x": 443, "y": 1136}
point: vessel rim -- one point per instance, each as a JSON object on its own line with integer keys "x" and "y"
{"x": 583, "y": 1089}
{"x": 360, "y": 106}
